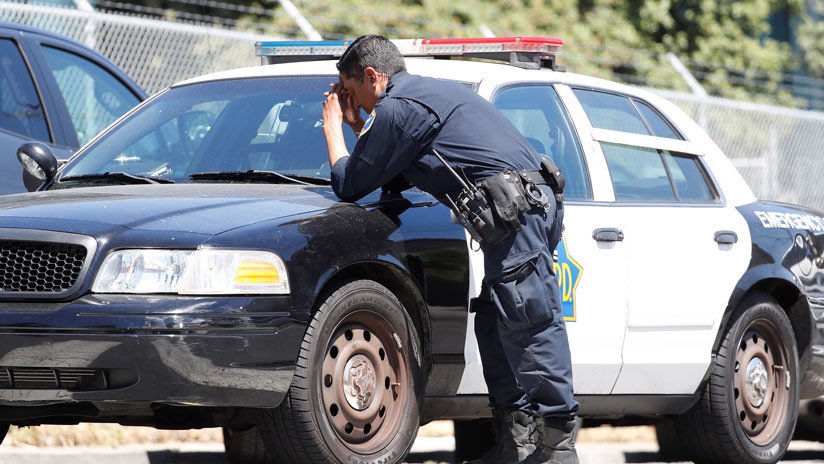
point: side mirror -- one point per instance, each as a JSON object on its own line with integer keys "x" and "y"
{"x": 38, "y": 160}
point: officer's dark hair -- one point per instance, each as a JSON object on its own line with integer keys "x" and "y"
{"x": 371, "y": 50}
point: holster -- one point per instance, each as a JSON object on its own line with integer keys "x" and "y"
{"x": 553, "y": 177}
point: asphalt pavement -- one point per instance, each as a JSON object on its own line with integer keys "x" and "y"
{"x": 426, "y": 450}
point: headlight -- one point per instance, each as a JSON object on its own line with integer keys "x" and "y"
{"x": 200, "y": 272}
{"x": 213, "y": 271}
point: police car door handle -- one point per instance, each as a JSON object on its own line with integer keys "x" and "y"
{"x": 608, "y": 234}
{"x": 726, "y": 237}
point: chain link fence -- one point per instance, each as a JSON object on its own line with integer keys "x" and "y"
{"x": 154, "y": 53}
{"x": 777, "y": 150}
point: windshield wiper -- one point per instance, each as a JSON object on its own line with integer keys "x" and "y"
{"x": 118, "y": 177}
{"x": 260, "y": 176}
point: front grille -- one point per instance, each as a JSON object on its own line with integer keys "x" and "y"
{"x": 65, "y": 378}
{"x": 41, "y": 267}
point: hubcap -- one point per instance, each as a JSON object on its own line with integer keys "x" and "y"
{"x": 761, "y": 382}
{"x": 364, "y": 382}
{"x": 359, "y": 382}
{"x": 757, "y": 382}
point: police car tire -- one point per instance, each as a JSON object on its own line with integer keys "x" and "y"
{"x": 4, "y": 429}
{"x": 244, "y": 446}
{"x": 312, "y": 424}
{"x": 473, "y": 438}
{"x": 715, "y": 430}
{"x": 670, "y": 446}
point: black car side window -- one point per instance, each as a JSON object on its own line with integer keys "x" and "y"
{"x": 20, "y": 109}
{"x": 93, "y": 96}
{"x": 537, "y": 112}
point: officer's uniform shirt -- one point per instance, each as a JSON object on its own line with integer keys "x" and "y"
{"x": 416, "y": 114}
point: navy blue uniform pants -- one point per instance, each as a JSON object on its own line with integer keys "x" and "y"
{"x": 519, "y": 325}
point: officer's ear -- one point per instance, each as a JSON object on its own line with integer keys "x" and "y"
{"x": 372, "y": 74}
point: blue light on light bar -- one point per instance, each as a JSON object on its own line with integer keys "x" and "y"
{"x": 292, "y": 48}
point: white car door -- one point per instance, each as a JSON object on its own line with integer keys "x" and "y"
{"x": 686, "y": 246}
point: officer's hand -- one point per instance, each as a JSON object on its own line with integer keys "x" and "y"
{"x": 350, "y": 108}
{"x": 332, "y": 111}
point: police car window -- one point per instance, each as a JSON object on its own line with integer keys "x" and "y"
{"x": 690, "y": 179}
{"x": 271, "y": 124}
{"x": 659, "y": 126}
{"x": 618, "y": 112}
{"x": 610, "y": 111}
{"x": 641, "y": 174}
{"x": 637, "y": 173}
{"x": 536, "y": 111}
{"x": 20, "y": 108}
{"x": 93, "y": 96}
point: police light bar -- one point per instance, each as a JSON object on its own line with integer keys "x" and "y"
{"x": 531, "y": 52}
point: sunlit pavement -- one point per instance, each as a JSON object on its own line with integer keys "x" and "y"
{"x": 426, "y": 450}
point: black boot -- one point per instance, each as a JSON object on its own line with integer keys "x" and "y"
{"x": 557, "y": 442}
{"x": 516, "y": 437}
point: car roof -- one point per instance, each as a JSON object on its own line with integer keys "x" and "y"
{"x": 472, "y": 72}
{"x": 34, "y": 30}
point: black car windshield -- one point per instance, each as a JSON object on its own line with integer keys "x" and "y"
{"x": 257, "y": 124}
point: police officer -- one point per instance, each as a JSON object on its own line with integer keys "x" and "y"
{"x": 518, "y": 323}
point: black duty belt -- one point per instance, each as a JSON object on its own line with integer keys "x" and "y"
{"x": 489, "y": 208}
{"x": 550, "y": 175}
{"x": 536, "y": 177}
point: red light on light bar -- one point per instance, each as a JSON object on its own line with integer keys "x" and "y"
{"x": 476, "y": 46}
{"x": 498, "y": 40}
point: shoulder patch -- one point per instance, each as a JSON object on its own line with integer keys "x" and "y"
{"x": 368, "y": 124}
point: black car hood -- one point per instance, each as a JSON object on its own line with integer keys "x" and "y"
{"x": 204, "y": 209}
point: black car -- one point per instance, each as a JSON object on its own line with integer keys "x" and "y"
{"x": 57, "y": 91}
{"x": 191, "y": 267}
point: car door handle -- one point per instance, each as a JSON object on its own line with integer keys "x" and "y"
{"x": 608, "y": 234}
{"x": 726, "y": 237}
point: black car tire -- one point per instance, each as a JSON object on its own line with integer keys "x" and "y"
{"x": 670, "y": 446}
{"x": 473, "y": 438}
{"x": 4, "y": 429}
{"x": 357, "y": 388}
{"x": 726, "y": 425}
{"x": 244, "y": 446}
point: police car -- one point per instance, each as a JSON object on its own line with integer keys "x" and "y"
{"x": 191, "y": 267}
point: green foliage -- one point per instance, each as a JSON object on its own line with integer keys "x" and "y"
{"x": 811, "y": 42}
